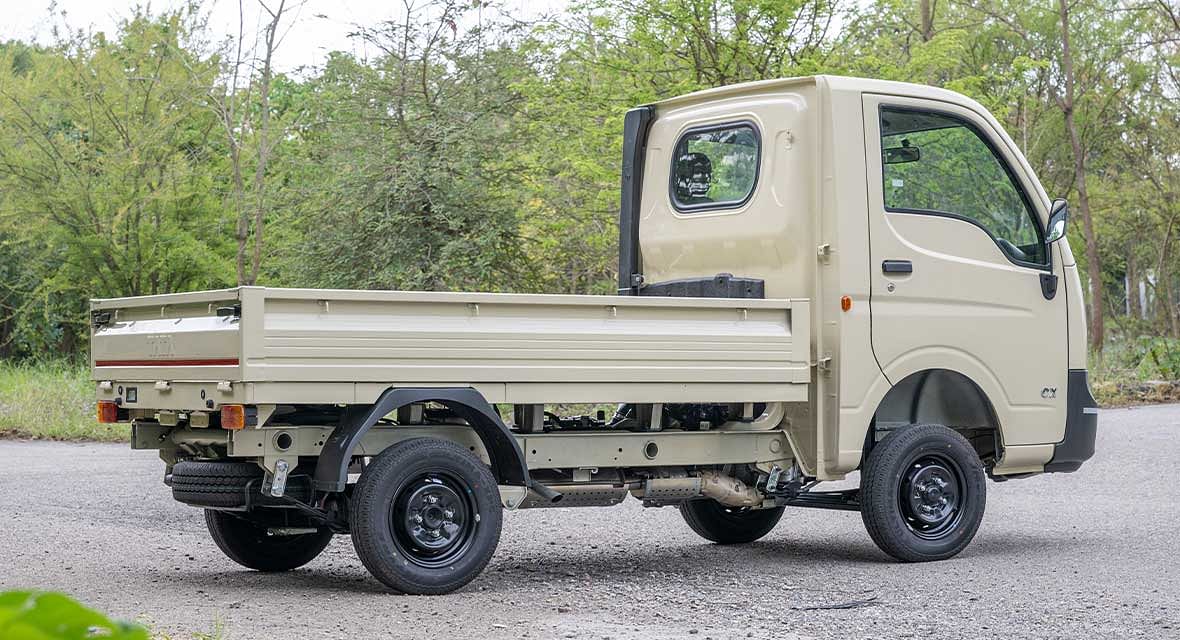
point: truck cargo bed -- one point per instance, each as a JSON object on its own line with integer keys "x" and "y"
{"x": 313, "y": 345}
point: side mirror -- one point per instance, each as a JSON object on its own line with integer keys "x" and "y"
{"x": 1057, "y": 217}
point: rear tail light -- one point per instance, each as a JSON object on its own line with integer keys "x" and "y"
{"x": 108, "y": 412}
{"x": 233, "y": 416}
{"x": 237, "y": 416}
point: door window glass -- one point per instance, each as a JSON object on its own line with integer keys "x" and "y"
{"x": 937, "y": 163}
{"x": 715, "y": 167}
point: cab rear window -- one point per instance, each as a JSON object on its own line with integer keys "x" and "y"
{"x": 715, "y": 167}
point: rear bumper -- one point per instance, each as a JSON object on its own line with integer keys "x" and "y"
{"x": 1081, "y": 426}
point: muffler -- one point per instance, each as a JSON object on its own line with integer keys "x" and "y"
{"x": 576, "y": 495}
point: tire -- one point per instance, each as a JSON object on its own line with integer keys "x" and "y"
{"x": 221, "y": 484}
{"x": 718, "y": 523}
{"x": 425, "y": 516}
{"x": 922, "y": 493}
{"x": 248, "y": 544}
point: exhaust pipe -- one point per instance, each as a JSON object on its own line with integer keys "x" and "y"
{"x": 728, "y": 490}
{"x": 546, "y": 494}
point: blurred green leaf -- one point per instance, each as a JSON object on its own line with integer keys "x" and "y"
{"x": 38, "y": 615}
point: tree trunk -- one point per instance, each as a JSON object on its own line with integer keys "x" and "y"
{"x": 1169, "y": 307}
{"x": 1093, "y": 268}
{"x": 264, "y": 141}
{"x": 926, "y": 13}
{"x": 1133, "y": 309}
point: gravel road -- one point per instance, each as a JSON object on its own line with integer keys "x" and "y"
{"x": 1094, "y": 554}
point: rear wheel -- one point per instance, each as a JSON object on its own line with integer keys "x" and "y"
{"x": 922, "y": 493}
{"x": 728, "y": 525}
{"x": 250, "y": 545}
{"x": 425, "y": 516}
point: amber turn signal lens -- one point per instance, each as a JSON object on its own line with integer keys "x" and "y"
{"x": 108, "y": 412}
{"x": 233, "y": 416}
{"x": 845, "y": 303}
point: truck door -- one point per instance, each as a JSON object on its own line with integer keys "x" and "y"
{"x": 961, "y": 278}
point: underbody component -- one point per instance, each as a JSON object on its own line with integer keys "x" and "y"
{"x": 578, "y": 495}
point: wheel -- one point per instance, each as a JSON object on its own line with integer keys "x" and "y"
{"x": 922, "y": 493}
{"x": 249, "y": 545}
{"x": 425, "y": 516}
{"x": 224, "y": 484}
{"x": 728, "y": 525}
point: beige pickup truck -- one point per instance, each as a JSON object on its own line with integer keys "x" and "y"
{"x": 817, "y": 276}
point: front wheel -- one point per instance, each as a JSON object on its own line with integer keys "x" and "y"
{"x": 922, "y": 493}
{"x": 251, "y": 545}
{"x": 425, "y": 516}
{"x": 718, "y": 523}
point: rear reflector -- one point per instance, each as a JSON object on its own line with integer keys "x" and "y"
{"x": 108, "y": 412}
{"x": 233, "y": 416}
{"x": 202, "y": 362}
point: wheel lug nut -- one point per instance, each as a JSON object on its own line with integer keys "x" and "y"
{"x": 432, "y": 499}
{"x": 448, "y": 514}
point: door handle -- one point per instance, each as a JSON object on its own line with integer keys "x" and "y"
{"x": 897, "y": 266}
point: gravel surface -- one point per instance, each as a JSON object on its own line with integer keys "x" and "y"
{"x": 1092, "y": 554}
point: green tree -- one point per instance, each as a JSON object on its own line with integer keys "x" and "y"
{"x": 105, "y": 159}
{"x": 413, "y": 158}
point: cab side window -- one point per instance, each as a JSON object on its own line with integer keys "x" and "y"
{"x": 715, "y": 167}
{"x": 940, "y": 164}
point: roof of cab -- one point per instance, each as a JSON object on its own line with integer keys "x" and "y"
{"x": 835, "y": 83}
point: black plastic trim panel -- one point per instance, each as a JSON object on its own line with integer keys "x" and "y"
{"x": 722, "y": 285}
{"x": 1081, "y": 426}
{"x": 636, "y": 124}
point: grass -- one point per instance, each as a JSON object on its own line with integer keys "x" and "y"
{"x": 1138, "y": 370}
{"x": 51, "y": 401}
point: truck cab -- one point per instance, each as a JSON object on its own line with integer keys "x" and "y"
{"x": 818, "y": 277}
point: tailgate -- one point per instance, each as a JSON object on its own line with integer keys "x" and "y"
{"x": 184, "y": 336}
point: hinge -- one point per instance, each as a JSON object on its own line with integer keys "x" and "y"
{"x": 824, "y": 252}
{"x": 636, "y": 279}
{"x": 824, "y": 364}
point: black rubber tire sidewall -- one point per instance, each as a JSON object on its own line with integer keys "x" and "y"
{"x": 714, "y": 522}
{"x": 372, "y": 502}
{"x": 248, "y": 545}
{"x": 880, "y": 484}
{"x": 224, "y": 484}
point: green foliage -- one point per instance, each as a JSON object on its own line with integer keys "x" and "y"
{"x": 107, "y": 176}
{"x": 1158, "y": 358}
{"x": 53, "y": 401}
{"x": 33, "y": 615}
{"x": 415, "y": 179}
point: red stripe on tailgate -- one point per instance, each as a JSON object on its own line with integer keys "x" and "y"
{"x": 206, "y": 362}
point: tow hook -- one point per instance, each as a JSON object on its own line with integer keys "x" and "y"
{"x": 278, "y": 484}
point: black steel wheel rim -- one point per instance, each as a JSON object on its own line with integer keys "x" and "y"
{"x": 931, "y": 495}
{"x": 433, "y": 519}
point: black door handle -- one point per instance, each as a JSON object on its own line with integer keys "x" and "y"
{"x": 897, "y": 266}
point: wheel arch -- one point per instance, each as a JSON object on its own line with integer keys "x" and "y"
{"x": 940, "y": 396}
{"x": 507, "y": 459}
